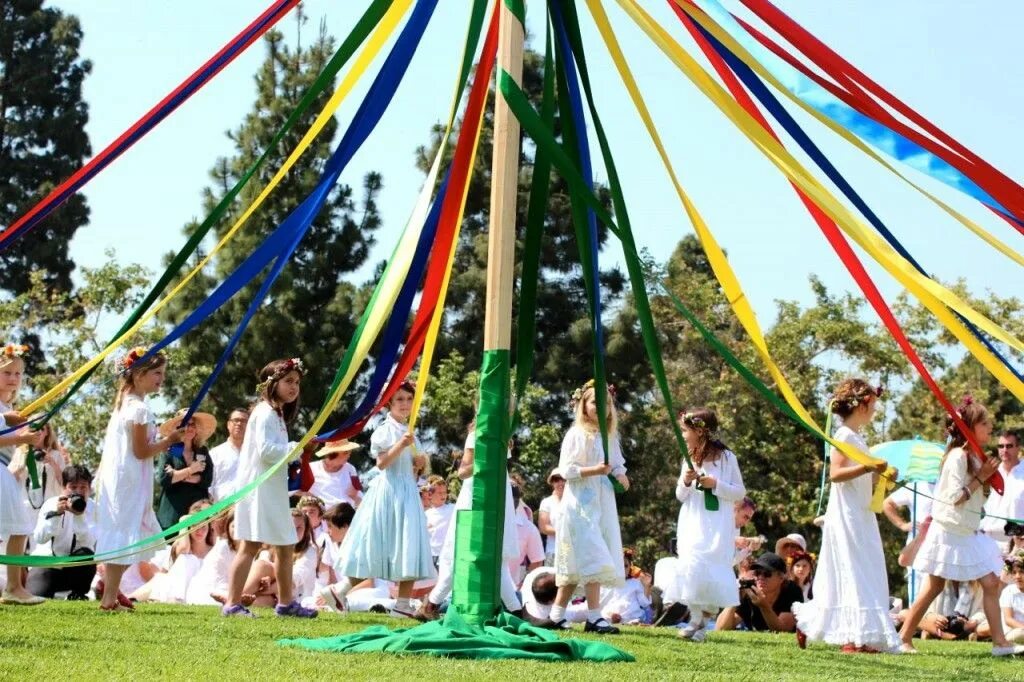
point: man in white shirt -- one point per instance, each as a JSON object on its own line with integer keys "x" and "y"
{"x": 335, "y": 480}
{"x": 531, "y": 547}
{"x": 225, "y": 455}
{"x": 66, "y": 528}
{"x": 1009, "y": 505}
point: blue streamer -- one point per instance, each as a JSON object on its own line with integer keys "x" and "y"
{"x": 876, "y": 134}
{"x": 757, "y": 87}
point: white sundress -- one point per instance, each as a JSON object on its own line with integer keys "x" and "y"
{"x": 851, "y": 588}
{"x": 588, "y": 540}
{"x": 124, "y": 486}
{"x": 264, "y": 515}
{"x": 388, "y": 537}
{"x": 16, "y": 516}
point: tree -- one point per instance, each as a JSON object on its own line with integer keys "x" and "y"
{"x": 311, "y": 311}
{"x": 42, "y": 136}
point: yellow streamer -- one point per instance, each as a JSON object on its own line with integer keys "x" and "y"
{"x": 376, "y": 41}
{"x": 933, "y": 295}
{"x": 716, "y": 257}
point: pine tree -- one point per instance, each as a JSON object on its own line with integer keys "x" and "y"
{"x": 42, "y": 136}
{"x": 312, "y": 310}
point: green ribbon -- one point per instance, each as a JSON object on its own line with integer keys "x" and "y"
{"x": 371, "y": 17}
{"x": 33, "y": 470}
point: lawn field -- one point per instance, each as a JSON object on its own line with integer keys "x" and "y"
{"x": 73, "y": 640}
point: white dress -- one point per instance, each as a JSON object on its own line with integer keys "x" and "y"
{"x": 263, "y": 515}
{"x": 588, "y": 541}
{"x": 172, "y": 587}
{"x": 706, "y": 539}
{"x": 954, "y": 548}
{"x": 213, "y": 576}
{"x": 16, "y": 517}
{"x": 124, "y": 486}
{"x": 388, "y": 536}
{"x": 851, "y": 589}
{"x": 304, "y": 575}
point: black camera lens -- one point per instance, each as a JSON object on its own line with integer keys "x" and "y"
{"x": 76, "y": 502}
{"x": 39, "y": 455}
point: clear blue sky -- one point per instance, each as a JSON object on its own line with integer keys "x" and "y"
{"x": 957, "y": 62}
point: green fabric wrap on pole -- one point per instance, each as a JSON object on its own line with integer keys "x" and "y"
{"x": 518, "y": 10}
{"x": 371, "y": 17}
{"x": 476, "y": 587}
{"x": 456, "y": 637}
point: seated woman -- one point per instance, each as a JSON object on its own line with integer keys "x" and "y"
{"x": 184, "y": 471}
{"x": 187, "y": 556}
{"x": 211, "y": 581}
{"x": 261, "y": 585}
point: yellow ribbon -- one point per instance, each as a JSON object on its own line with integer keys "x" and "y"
{"x": 933, "y": 295}
{"x": 886, "y": 484}
{"x": 373, "y": 46}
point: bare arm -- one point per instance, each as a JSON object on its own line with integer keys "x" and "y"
{"x": 144, "y": 449}
{"x": 841, "y": 468}
{"x": 385, "y": 459}
{"x": 466, "y": 464}
{"x": 728, "y": 619}
{"x": 892, "y": 512}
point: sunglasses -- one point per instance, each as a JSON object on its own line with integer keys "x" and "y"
{"x": 1006, "y": 446}
{"x": 762, "y": 573}
{"x": 333, "y": 455}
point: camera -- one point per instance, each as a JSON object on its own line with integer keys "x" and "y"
{"x": 38, "y": 454}
{"x": 1013, "y": 530}
{"x": 77, "y": 503}
{"x": 747, "y": 583}
{"x": 955, "y": 624}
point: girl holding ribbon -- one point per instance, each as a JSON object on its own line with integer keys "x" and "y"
{"x": 851, "y": 591}
{"x": 264, "y": 516}
{"x": 953, "y": 548}
{"x": 589, "y": 543}
{"x": 706, "y": 537}
{"x": 388, "y": 537}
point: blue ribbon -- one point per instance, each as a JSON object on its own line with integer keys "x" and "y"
{"x": 878, "y": 135}
{"x": 757, "y": 87}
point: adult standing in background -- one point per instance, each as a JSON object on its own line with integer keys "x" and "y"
{"x": 225, "y": 456}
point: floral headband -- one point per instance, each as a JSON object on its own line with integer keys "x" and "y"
{"x": 577, "y": 395}
{"x": 1014, "y": 560}
{"x": 875, "y": 392}
{"x": 289, "y": 365}
{"x": 967, "y": 402}
{"x": 800, "y": 556}
{"x": 124, "y": 364}
{"x": 695, "y": 421}
{"x": 14, "y": 350}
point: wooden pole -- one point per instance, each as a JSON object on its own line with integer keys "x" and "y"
{"x": 476, "y": 588}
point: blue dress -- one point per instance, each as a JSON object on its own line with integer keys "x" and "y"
{"x": 388, "y": 537}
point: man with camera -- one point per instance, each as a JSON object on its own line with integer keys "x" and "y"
{"x": 66, "y": 523}
{"x": 766, "y": 600}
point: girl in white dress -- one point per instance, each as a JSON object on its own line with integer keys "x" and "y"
{"x": 706, "y": 539}
{"x": 589, "y": 544}
{"x": 953, "y": 548}
{"x": 388, "y": 538}
{"x": 16, "y": 518}
{"x": 48, "y": 470}
{"x": 429, "y": 610}
{"x": 187, "y": 556}
{"x": 124, "y": 490}
{"x": 263, "y": 516}
{"x": 851, "y": 590}
{"x": 215, "y": 571}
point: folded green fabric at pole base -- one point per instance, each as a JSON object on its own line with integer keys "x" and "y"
{"x": 455, "y": 637}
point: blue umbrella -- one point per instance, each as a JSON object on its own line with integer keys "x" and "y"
{"x": 916, "y": 460}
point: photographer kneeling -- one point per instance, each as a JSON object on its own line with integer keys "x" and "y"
{"x": 766, "y": 601}
{"x": 66, "y": 522}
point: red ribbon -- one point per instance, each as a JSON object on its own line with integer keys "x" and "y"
{"x": 858, "y": 84}
{"x": 840, "y": 245}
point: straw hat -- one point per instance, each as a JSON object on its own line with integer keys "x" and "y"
{"x": 205, "y": 424}
{"x": 343, "y": 445}
{"x": 791, "y": 539}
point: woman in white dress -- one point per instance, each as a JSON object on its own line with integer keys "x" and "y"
{"x": 124, "y": 490}
{"x": 706, "y": 539}
{"x": 187, "y": 556}
{"x": 589, "y": 545}
{"x": 264, "y": 516}
{"x": 388, "y": 538}
{"x": 16, "y": 518}
{"x": 215, "y": 571}
{"x": 953, "y": 548}
{"x": 429, "y": 610}
{"x": 851, "y": 590}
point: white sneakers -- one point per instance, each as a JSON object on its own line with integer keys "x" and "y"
{"x": 1011, "y": 650}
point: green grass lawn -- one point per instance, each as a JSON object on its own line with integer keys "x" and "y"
{"x": 73, "y": 640}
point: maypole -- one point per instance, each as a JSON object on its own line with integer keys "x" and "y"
{"x": 476, "y": 588}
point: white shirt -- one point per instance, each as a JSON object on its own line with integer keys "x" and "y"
{"x": 904, "y": 497}
{"x": 57, "y": 535}
{"x": 1011, "y": 597}
{"x": 337, "y": 487}
{"x": 531, "y": 548}
{"x": 438, "y": 520}
{"x": 1009, "y": 505}
{"x": 224, "y": 458}
{"x": 553, "y": 506}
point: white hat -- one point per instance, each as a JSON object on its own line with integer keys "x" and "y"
{"x": 791, "y": 539}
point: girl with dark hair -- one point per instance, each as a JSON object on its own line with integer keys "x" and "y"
{"x": 124, "y": 489}
{"x": 388, "y": 537}
{"x": 706, "y": 537}
{"x": 953, "y": 549}
{"x": 263, "y": 516}
{"x": 851, "y": 590}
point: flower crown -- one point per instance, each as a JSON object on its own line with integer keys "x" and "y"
{"x": 967, "y": 402}
{"x": 863, "y": 396}
{"x": 124, "y": 364}
{"x": 800, "y": 556}
{"x": 289, "y": 365}
{"x": 577, "y": 395}
{"x": 691, "y": 419}
{"x": 14, "y": 350}
{"x": 1011, "y": 561}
